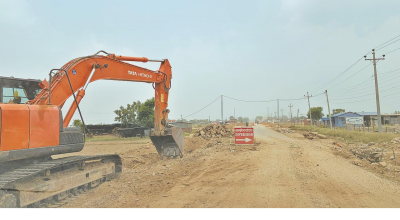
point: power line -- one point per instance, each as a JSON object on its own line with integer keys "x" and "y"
{"x": 203, "y": 107}
{"x": 382, "y": 75}
{"x": 352, "y": 75}
{"x": 332, "y": 80}
{"x": 387, "y": 42}
{"x": 365, "y": 87}
{"x": 381, "y": 46}
{"x": 368, "y": 99}
{"x": 387, "y": 89}
{"x": 392, "y": 51}
{"x": 350, "y": 89}
{"x": 384, "y": 82}
{"x": 240, "y": 100}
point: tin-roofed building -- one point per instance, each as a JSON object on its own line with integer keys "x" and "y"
{"x": 347, "y": 118}
{"x": 357, "y": 119}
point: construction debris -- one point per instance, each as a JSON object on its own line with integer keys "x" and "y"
{"x": 373, "y": 154}
{"x": 396, "y": 140}
{"x": 285, "y": 130}
{"x": 312, "y": 135}
{"x": 337, "y": 144}
{"x": 214, "y": 131}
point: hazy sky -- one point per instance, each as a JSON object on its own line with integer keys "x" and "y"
{"x": 249, "y": 50}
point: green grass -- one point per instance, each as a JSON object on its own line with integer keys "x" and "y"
{"x": 114, "y": 138}
{"x": 188, "y": 133}
{"x": 350, "y": 136}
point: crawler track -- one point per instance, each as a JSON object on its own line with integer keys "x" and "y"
{"x": 50, "y": 182}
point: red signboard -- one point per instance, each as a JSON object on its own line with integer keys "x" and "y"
{"x": 244, "y": 135}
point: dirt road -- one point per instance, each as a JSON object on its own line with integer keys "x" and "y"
{"x": 283, "y": 171}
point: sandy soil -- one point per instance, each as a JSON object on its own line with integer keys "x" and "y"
{"x": 282, "y": 171}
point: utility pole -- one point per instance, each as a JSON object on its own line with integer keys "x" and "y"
{"x": 329, "y": 110}
{"x": 181, "y": 118}
{"x": 290, "y": 106}
{"x": 363, "y": 119}
{"x": 378, "y": 107}
{"x": 309, "y": 107}
{"x": 278, "y": 112}
{"x": 282, "y": 112}
{"x": 222, "y": 109}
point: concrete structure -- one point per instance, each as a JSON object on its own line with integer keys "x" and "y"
{"x": 390, "y": 119}
{"x": 185, "y": 126}
{"x": 233, "y": 121}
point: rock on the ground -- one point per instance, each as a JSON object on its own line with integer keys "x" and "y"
{"x": 312, "y": 135}
{"x": 285, "y": 130}
{"x": 396, "y": 140}
{"x": 214, "y": 131}
{"x": 364, "y": 151}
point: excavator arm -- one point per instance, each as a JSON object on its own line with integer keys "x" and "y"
{"x": 84, "y": 70}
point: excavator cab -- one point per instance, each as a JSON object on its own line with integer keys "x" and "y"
{"x": 18, "y": 91}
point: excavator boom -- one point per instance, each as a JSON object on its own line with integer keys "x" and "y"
{"x": 85, "y": 70}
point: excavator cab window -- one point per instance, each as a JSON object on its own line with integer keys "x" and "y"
{"x": 16, "y": 95}
{"x": 18, "y": 91}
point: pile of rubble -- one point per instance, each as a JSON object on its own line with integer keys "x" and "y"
{"x": 312, "y": 135}
{"x": 368, "y": 152}
{"x": 285, "y": 130}
{"x": 214, "y": 131}
{"x": 396, "y": 140}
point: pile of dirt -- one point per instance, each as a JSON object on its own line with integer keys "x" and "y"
{"x": 214, "y": 131}
{"x": 368, "y": 152}
{"x": 312, "y": 135}
{"x": 285, "y": 130}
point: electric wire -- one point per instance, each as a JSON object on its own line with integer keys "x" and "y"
{"x": 387, "y": 45}
{"x": 332, "y": 80}
{"x": 369, "y": 99}
{"x": 381, "y": 46}
{"x": 240, "y": 100}
{"x": 387, "y": 41}
{"x": 203, "y": 107}
{"x": 381, "y": 75}
{"x": 392, "y": 51}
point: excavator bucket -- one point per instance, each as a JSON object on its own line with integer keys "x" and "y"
{"x": 170, "y": 144}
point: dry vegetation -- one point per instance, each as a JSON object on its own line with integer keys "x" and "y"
{"x": 114, "y": 138}
{"x": 350, "y": 136}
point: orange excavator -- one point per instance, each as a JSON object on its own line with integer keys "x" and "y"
{"x": 32, "y": 130}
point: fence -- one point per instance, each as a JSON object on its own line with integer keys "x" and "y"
{"x": 371, "y": 129}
